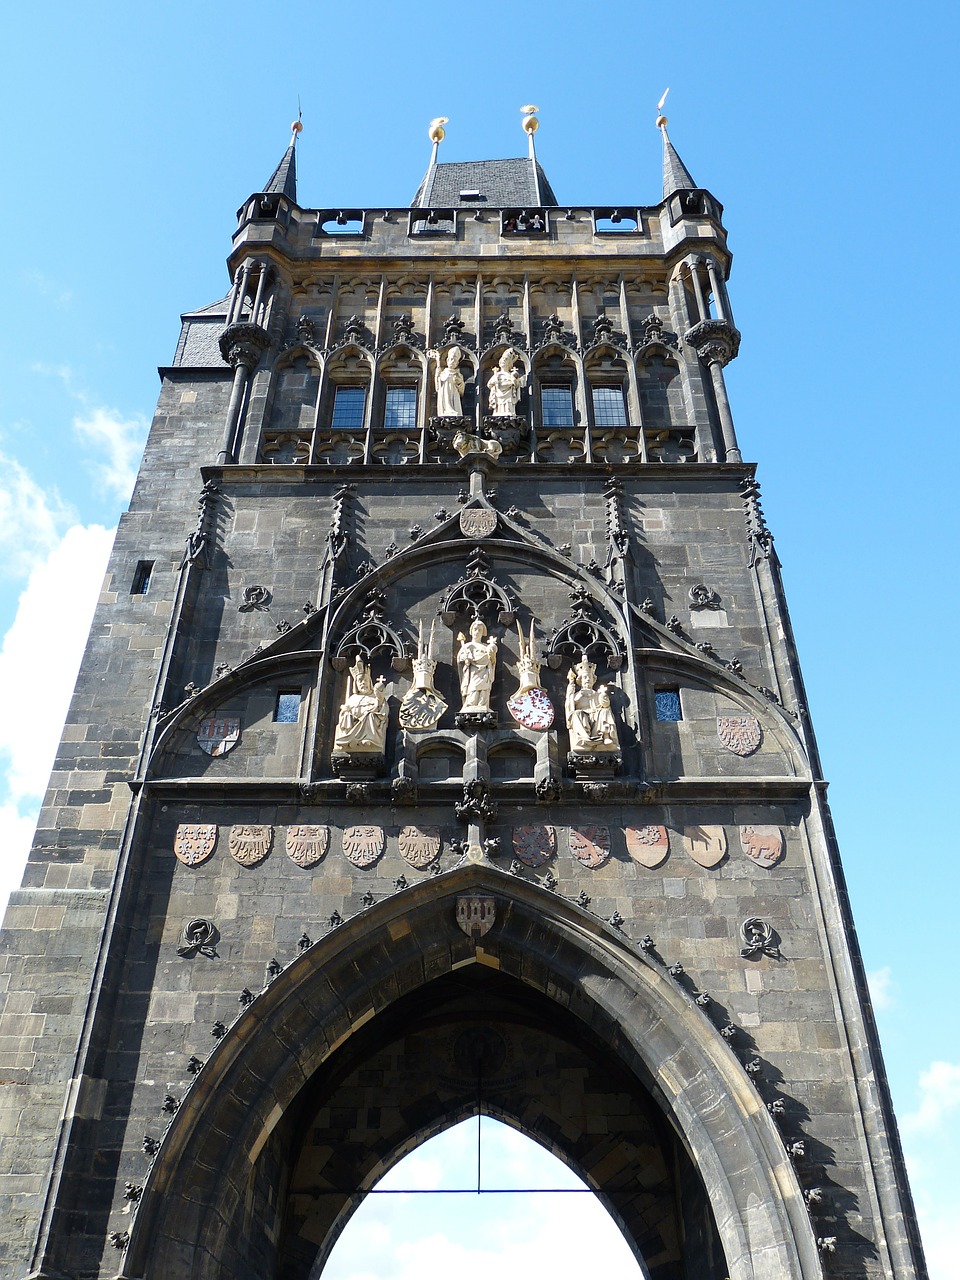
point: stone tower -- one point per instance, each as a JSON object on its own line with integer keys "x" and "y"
{"x": 440, "y": 747}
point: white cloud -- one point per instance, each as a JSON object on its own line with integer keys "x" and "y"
{"x": 939, "y": 1099}
{"x": 39, "y": 659}
{"x": 121, "y": 439}
{"x": 32, "y": 520}
{"x": 881, "y": 986}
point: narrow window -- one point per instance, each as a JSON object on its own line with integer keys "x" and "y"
{"x": 141, "y": 578}
{"x": 609, "y": 409}
{"x": 668, "y": 705}
{"x": 288, "y": 706}
{"x": 401, "y": 407}
{"x": 348, "y": 406}
{"x": 556, "y": 403}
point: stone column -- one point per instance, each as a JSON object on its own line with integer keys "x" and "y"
{"x": 241, "y": 345}
{"x": 716, "y": 343}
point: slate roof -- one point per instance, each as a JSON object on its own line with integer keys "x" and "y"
{"x": 501, "y": 183}
{"x": 676, "y": 175}
{"x": 283, "y": 181}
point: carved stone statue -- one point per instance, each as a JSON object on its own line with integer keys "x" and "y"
{"x": 590, "y": 721}
{"x": 362, "y": 722}
{"x": 476, "y": 662}
{"x": 449, "y": 384}
{"x": 422, "y": 705}
{"x": 530, "y": 705}
{"x": 505, "y": 385}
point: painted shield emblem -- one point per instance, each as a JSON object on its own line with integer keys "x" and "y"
{"x": 706, "y": 845}
{"x": 194, "y": 842}
{"x": 419, "y": 845}
{"x": 307, "y": 845}
{"x": 739, "y": 734}
{"x": 362, "y": 845}
{"x": 763, "y": 844}
{"x": 590, "y": 845}
{"x": 532, "y": 708}
{"x": 647, "y": 845}
{"x": 250, "y": 844}
{"x": 476, "y": 915}
{"x": 421, "y": 709}
{"x": 534, "y": 846}
{"x": 477, "y": 522}
{"x": 218, "y": 734}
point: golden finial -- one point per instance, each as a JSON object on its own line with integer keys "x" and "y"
{"x": 530, "y": 122}
{"x": 436, "y": 132}
{"x": 661, "y": 118}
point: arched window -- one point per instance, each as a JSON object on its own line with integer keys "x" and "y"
{"x": 513, "y": 1231}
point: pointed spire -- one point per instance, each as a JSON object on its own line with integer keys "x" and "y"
{"x": 676, "y": 175}
{"x": 283, "y": 181}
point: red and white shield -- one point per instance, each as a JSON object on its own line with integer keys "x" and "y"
{"x": 476, "y": 915}
{"x": 647, "y": 845}
{"x": 306, "y": 846}
{"x": 250, "y": 844}
{"x": 194, "y": 842}
{"x": 763, "y": 844}
{"x": 419, "y": 845}
{"x": 739, "y": 734}
{"x": 590, "y": 845}
{"x": 362, "y": 845}
{"x": 534, "y": 845}
{"x": 532, "y": 708}
{"x": 707, "y": 846}
{"x": 218, "y": 734}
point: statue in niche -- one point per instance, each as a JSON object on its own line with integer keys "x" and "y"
{"x": 422, "y": 705}
{"x": 505, "y": 385}
{"x": 590, "y": 721}
{"x": 362, "y": 722}
{"x": 476, "y": 662}
{"x": 530, "y": 705}
{"x": 449, "y": 384}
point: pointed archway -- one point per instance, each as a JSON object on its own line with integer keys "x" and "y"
{"x": 268, "y": 1156}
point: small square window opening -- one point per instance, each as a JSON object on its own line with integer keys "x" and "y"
{"x": 348, "y": 406}
{"x": 668, "y": 705}
{"x": 141, "y": 578}
{"x": 288, "y": 706}
{"x": 557, "y": 405}
{"x": 400, "y": 409}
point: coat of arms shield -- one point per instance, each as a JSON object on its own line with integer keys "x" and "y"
{"x": 250, "y": 844}
{"x": 218, "y": 734}
{"x": 532, "y": 708}
{"x": 362, "y": 845}
{"x": 307, "y": 845}
{"x": 590, "y": 845}
{"x": 647, "y": 845}
{"x": 421, "y": 709}
{"x": 534, "y": 845}
{"x": 194, "y": 842}
{"x": 707, "y": 846}
{"x": 476, "y": 915}
{"x": 763, "y": 844}
{"x": 477, "y": 522}
{"x": 739, "y": 734}
{"x": 419, "y": 845}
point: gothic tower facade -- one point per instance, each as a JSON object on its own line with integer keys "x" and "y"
{"x": 440, "y": 746}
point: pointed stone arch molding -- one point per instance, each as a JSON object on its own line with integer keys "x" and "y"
{"x": 254, "y": 671}
{"x": 248, "y": 1090}
{"x": 372, "y": 636}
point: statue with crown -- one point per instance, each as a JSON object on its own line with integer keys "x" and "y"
{"x": 594, "y": 741}
{"x": 422, "y": 706}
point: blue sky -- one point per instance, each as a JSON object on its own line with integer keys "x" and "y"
{"x": 828, "y": 132}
